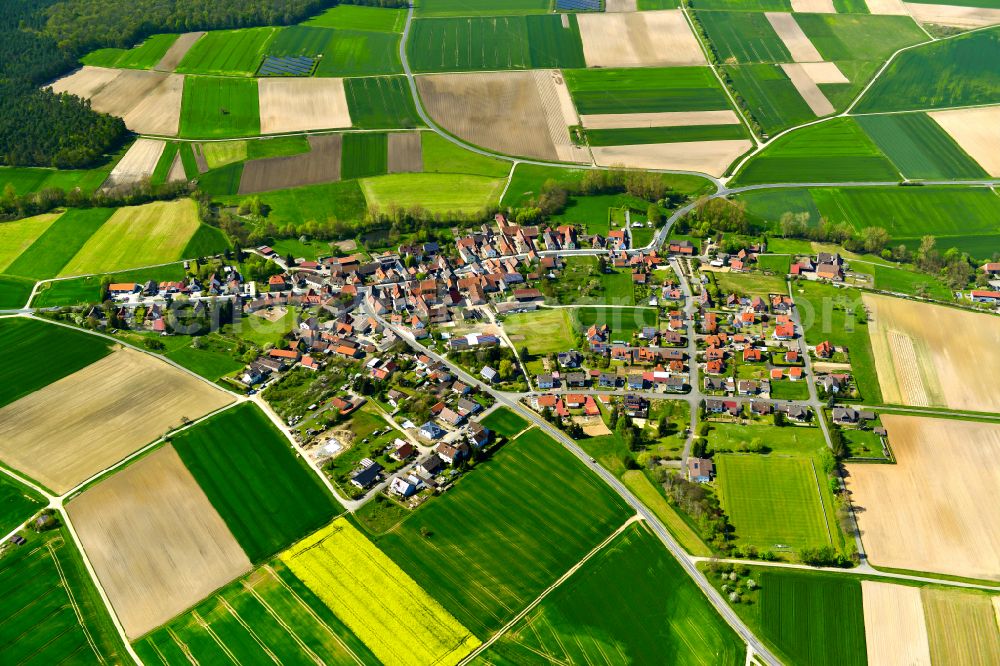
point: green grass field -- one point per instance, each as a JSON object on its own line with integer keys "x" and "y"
{"x": 269, "y": 614}
{"x": 267, "y": 495}
{"x": 381, "y": 102}
{"x": 218, "y": 107}
{"x": 34, "y": 179}
{"x": 344, "y": 52}
{"x": 436, "y": 192}
{"x": 834, "y": 151}
{"x": 625, "y": 137}
{"x": 748, "y": 5}
{"x": 495, "y": 43}
{"x": 542, "y": 332}
{"x": 77, "y": 291}
{"x": 163, "y": 165}
{"x": 505, "y": 422}
{"x": 442, "y": 156}
{"x": 773, "y": 502}
{"x": 59, "y": 243}
{"x": 751, "y": 283}
{"x": 920, "y": 148}
{"x": 364, "y": 155}
{"x": 220, "y": 153}
{"x": 228, "y": 52}
{"x": 222, "y": 181}
{"x": 281, "y": 146}
{"x": 905, "y": 281}
{"x": 18, "y": 503}
{"x": 210, "y": 364}
{"x": 505, "y": 533}
{"x": 645, "y": 90}
{"x": 647, "y": 493}
{"x": 631, "y": 603}
{"x": 953, "y": 72}
{"x": 206, "y": 241}
{"x": 779, "y": 264}
{"x": 343, "y": 200}
{"x": 53, "y": 614}
{"x": 42, "y": 353}
{"x": 743, "y": 37}
{"x": 486, "y": 7}
{"x": 144, "y": 56}
{"x": 18, "y": 235}
{"x": 14, "y": 291}
{"x": 354, "y": 17}
{"x": 859, "y": 36}
{"x": 772, "y": 98}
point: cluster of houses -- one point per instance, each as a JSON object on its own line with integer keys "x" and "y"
{"x": 227, "y": 283}
{"x": 567, "y": 405}
{"x": 735, "y": 409}
{"x": 829, "y": 266}
{"x": 739, "y": 262}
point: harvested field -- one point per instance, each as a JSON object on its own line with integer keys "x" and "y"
{"x": 662, "y": 119}
{"x": 560, "y": 114}
{"x": 895, "y": 631}
{"x": 63, "y": 434}
{"x": 887, "y": 7}
{"x": 294, "y": 105}
{"x": 176, "y": 174}
{"x": 640, "y": 39}
{"x": 138, "y": 163}
{"x": 177, "y": 51}
{"x": 711, "y": 157}
{"x": 977, "y": 131}
{"x": 405, "y": 155}
{"x": 792, "y": 36}
{"x": 927, "y": 512}
{"x": 86, "y": 82}
{"x": 957, "y": 17}
{"x": 155, "y": 541}
{"x": 921, "y": 362}
{"x": 806, "y": 87}
{"x": 814, "y": 6}
{"x": 961, "y": 627}
{"x": 199, "y": 157}
{"x": 320, "y": 165}
{"x": 823, "y": 72}
{"x": 159, "y": 110}
{"x": 613, "y": 6}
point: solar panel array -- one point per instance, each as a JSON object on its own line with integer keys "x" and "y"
{"x": 579, "y": 5}
{"x": 286, "y": 66}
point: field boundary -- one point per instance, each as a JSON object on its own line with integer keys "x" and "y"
{"x": 72, "y": 601}
{"x": 819, "y": 491}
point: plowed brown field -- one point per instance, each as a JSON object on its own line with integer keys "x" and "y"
{"x": 320, "y": 165}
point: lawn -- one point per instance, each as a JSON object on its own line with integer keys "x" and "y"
{"x": 136, "y": 236}
{"x": 631, "y": 603}
{"x": 788, "y": 390}
{"x": 436, "y": 192}
{"x": 41, "y": 353}
{"x": 260, "y": 331}
{"x": 59, "y": 243}
{"x": 343, "y": 201}
{"x": 751, "y": 283}
{"x": 363, "y": 155}
{"x": 218, "y": 107}
{"x": 208, "y": 363}
{"x": 228, "y": 52}
{"x": 953, "y": 72}
{"x": 18, "y": 235}
{"x": 442, "y": 156}
{"x": 14, "y": 291}
{"x": 859, "y": 36}
{"x": 773, "y": 502}
{"x": 743, "y": 37}
{"x": 506, "y": 532}
{"x": 592, "y": 212}
{"x": 53, "y": 614}
{"x": 920, "y": 148}
{"x": 644, "y": 489}
{"x": 582, "y": 283}
{"x": 144, "y": 56}
{"x": 18, "y": 503}
{"x": 353, "y": 17}
{"x": 623, "y": 322}
{"x": 288, "y": 623}
{"x": 494, "y": 43}
{"x": 77, "y": 291}
{"x": 773, "y": 100}
{"x": 268, "y": 495}
{"x": 833, "y": 151}
{"x": 779, "y": 264}
{"x": 542, "y": 331}
{"x": 381, "y": 102}
{"x": 505, "y": 422}
{"x": 627, "y": 137}
{"x": 645, "y": 90}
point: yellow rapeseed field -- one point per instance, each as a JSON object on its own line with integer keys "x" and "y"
{"x": 377, "y": 600}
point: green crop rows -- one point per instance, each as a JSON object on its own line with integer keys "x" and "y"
{"x": 920, "y": 148}
{"x": 364, "y": 155}
{"x": 217, "y": 107}
{"x": 773, "y": 100}
{"x": 505, "y": 422}
{"x": 623, "y": 137}
{"x": 743, "y": 37}
{"x": 381, "y": 102}
{"x": 53, "y": 249}
{"x": 645, "y": 90}
{"x": 228, "y": 52}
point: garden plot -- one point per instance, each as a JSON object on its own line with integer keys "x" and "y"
{"x": 661, "y": 119}
{"x": 640, "y": 39}
{"x": 177, "y": 51}
{"x": 807, "y": 88}
{"x": 956, "y": 17}
{"x": 887, "y": 7}
{"x": 792, "y": 36}
{"x": 155, "y": 541}
{"x": 320, "y": 165}
{"x": 295, "y": 105}
{"x": 138, "y": 163}
{"x": 63, "y": 434}
{"x": 977, "y": 131}
{"x": 932, "y": 355}
{"x": 711, "y": 157}
{"x": 895, "y": 630}
{"x": 927, "y": 512}
{"x": 405, "y": 154}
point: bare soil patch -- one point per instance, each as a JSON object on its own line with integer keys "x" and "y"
{"x": 887, "y": 7}
{"x": 271, "y": 314}
{"x": 560, "y": 114}
{"x": 593, "y": 426}
{"x": 86, "y": 81}
{"x": 641, "y": 39}
{"x": 932, "y": 355}
{"x": 138, "y": 162}
{"x": 895, "y": 631}
{"x": 932, "y": 511}
{"x": 808, "y": 89}
{"x": 82, "y": 424}
{"x": 977, "y": 131}
{"x": 295, "y": 105}
{"x": 349, "y": 245}
{"x": 823, "y": 72}
{"x": 793, "y": 37}
{"x": 177, "y": 51}
{"x": 176, "y": 173}
{"x": 159, "y": 112}
{"x": 405, "y": 154}
{"x": 661, "y": 119}
{"x": 156, "y": 542}
{"x": 612, "y": 6}
{"x": 199, "y": 157}
{"x": 320, "y": 165}
{"x": 711, "y": 157}
{"x": 814, "y": 6}
{"x": 957, "y": 17}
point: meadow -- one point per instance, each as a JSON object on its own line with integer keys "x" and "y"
{"x": 219, "y": 107}
{"x": 506, "y": 532}
{"x": 541, "y": 332}
{"x": 581, "y": 283}
{"x": 622, "y": 137}
{"x": 356, "y": 17}
{"x": 505, "y": 422}
{"x": 76, "y": 291}
{"x": 400, "y": 624}
{"x": 18, "y": 235}
{"x": 264, "y": 491}
{"x": 743, "y": 37}
{"x": 773, "y": 100}
{"x": 228, "y": 52}
{"x": 645, "y": 90}
{"x": 435, "y": 192}
{"x": 144, "y": 56}
{"x": 833, "y": 151}
{"x": 364, "y": 154}
{"x": 342, "y": 52}
{"x": 381, "y": 102}
{"x": 859, "y": 36}
{"x": 630, "y": 603}
{"x": 752, "y": 283}
{"x": 442, "y": 156}
{"x": 920, "y": 148}
{"x": 42, "y": 353}
{"x": 47, "y": 255}
{"x": 18, "y": 503}
{"x": 342, "y": 200}
{"x": 954, "y": 72}
{"x": 623, "y": 322}
{"x": 222, "y": 181}
{"x": 14, "y": 291}
{"x": 647, "y": 493}
{"x": 289, "y": 623}
{"x": 34, "y": 179}
{"x": 53, "y": 613}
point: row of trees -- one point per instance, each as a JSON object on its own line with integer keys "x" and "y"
{"x": 15, "y": 206}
